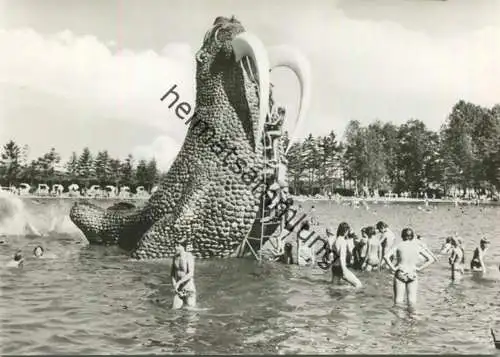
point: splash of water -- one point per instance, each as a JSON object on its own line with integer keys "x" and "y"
{"x": 13, "y": 216}
{"x": 40, "y": 218}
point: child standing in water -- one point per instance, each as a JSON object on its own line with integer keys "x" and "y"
{"x": 312, "y": 214}
{"x": 182, "y": 274}
{"x": 456, "y": 260}
{"x": 387, "y": 237}
{"x": 305, "y": 255}
{"x": 328, "y": 255}
{"x": 477, "y": 262}
{"x": 360, "y": 249}
{"x": 373, "y": 252}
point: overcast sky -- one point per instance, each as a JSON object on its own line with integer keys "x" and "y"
{"x": 90, "y": 73}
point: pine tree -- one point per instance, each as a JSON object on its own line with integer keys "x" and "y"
{"x": 296, "y": 166}
{"x": 10, "y": 162}
{"x": 127, "y": 171}
{"x": 85, "y": 166}
{"x": 330, "y": 160}
{"x": 152, "y": 173}
{"x": 141, "y": 173}
{"x": 72, "y": 166}
{"x": 115, "y": 171}
{"x": 24, "y": 156}
{"x": 47, "y": 164}
{"x": 102, "y": 168}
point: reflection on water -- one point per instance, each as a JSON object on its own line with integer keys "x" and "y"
{"x": 95, "y": 300}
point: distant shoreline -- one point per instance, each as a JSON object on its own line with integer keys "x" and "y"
{"x": 296, "y": 198}
{"x": 399, "y": 200}
{"x": 35, "y": 197}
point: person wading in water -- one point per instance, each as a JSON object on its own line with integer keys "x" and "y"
{"x": 406, "y": 256}
{"x": 338, "y": 257}
{"x": 387, "y": 237}
{"x": 373, "y": 258}
{"x": 456, "y": 259}
{"x": 477, "y": 262}
{"x": 182, "y": 274}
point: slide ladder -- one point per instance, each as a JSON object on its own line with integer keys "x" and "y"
{"x": 265, "y": 225}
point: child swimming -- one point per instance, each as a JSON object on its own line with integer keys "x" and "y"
{"x": 17, "y": 261}
{"x": 38, "y": 251}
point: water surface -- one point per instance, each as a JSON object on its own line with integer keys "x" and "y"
{"x": 95, "y": 300}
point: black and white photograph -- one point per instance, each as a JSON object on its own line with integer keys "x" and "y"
{"x": 249, "y": 177}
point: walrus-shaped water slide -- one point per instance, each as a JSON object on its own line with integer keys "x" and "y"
{"x": 211, "y": 193}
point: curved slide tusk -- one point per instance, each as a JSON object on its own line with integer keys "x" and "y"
{"x": 246, "y": 44}
{"x": 285, "y": 56}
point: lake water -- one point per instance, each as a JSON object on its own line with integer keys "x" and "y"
{"x": 94, "y": 300}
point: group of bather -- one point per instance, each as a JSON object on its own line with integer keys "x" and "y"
{"x": 455, "y": 246}
{"x": 362, "y": 252}
{"x": 374, "y": 249}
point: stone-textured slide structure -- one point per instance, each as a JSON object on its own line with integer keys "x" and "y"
{"x": 212, "y": 191}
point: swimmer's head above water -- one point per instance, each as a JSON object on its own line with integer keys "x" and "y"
{"x": 484, "y": 242}
{"x": 407, "y": 234}
{"x": 18, "y": 256}
{"x": 38, "y": 251}
{"x": 446, "y": 246}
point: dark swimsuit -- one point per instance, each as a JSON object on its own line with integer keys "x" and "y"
{"x": 184, "y": 293}
{"x": 404, "y": 277}
{"x": 325, "y": 265}
{"x": 475, "y": 263}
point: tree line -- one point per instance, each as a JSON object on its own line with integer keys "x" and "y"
{"x": 464, "y": 154}
{"x": 85, "y": 169}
